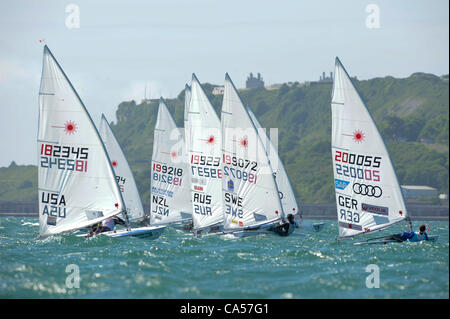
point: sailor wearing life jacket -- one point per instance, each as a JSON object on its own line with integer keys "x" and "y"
{"x": 107, "y": 224}
{"x": 286, "y": 228}
{"x": 415, "y": 236}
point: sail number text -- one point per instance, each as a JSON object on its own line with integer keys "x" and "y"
{"x": 364, "y": 173}
{"x": 57, "y": 156}
{"x": 237, "y": 173}
{"x": 167, "y": 174}
{"x": 239, "y": 162}
{"x": 205, "y": 160}
{"x": 347, "y": 211}
{"x": 361, "y": 160}
{"x": 167, "y": 169}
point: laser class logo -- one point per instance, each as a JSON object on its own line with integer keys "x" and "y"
{"x": 243, "y": 142}
{"x": 210, "y": 140}
{"x": 69, "y": 127}
{"x": 172, "y": 154}
{"x": 114, "y": 163}
{"x": 357, "y": 135}
{"x": 367, "y": 190}
{"x": 340, "y": 184}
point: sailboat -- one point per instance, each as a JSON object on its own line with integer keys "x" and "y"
{"x": 285, "y": 190}
{"x": 77, "y": 185}
{"x": 170, "y": 187}
{"x": 187, "y": 101}
{"x": 124, "y": 175}
{"x": 125, "y": 179}
{"x": 205, "y": 154}
{"x": 250, "y": 193}
{"x": 368, "y": 195}
{"x": 76, "y": 181}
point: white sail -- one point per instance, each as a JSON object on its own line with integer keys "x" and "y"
{"x": 204, "y": 159}
{"x": 170, "y": 187}
{"x": 77, "y": 185}
{"x": 368, "y": 195}
{"x": 285, "y": 190}
{"x": 249, "y": 188}
{"x": 187, "y": 101}
{"x": 124, "y": 175}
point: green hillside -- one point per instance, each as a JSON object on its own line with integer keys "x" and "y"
{"x": 412, "y": 114}
{"x": 18, "y": 182}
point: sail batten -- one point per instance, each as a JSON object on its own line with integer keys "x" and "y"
{"x": 75, "y": 164}
{"x": 368, "y": 195}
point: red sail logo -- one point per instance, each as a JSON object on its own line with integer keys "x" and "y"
{"x": 358, "y": 136}
{"x": 70, "y": 127}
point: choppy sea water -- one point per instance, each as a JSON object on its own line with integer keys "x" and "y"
{"x": 178, "y": 265}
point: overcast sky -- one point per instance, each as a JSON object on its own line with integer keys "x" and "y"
{"x": 120, "y": 46}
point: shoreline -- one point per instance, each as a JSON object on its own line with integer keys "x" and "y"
{"x": 305, "y": 217}
{"x": 309, "y": 211}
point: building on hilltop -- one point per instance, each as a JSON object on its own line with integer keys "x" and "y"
{"x": 253, "y": 82}
{"x": 218, "y": 90}
{"x": 324, "y": 78}
{"x": 148, "y": 100}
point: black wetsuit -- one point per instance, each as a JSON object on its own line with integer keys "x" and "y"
{"x": 284, "y": 229}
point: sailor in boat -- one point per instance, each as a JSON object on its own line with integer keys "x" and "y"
{"x": 411, "y": 236}
{"x": 145, "y": 221}
{"x": 287, "y": 227}
{"x": 107, "y": 224}
{"x": 189, "y": 226}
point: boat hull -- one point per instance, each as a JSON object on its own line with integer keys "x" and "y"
{"x": 148, "y": 233}
{"x": 388, "y": 241}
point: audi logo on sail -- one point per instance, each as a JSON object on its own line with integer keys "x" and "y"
{"x": 367, "y": 190}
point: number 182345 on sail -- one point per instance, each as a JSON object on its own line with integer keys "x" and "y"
{"x": 58, "y": 156}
